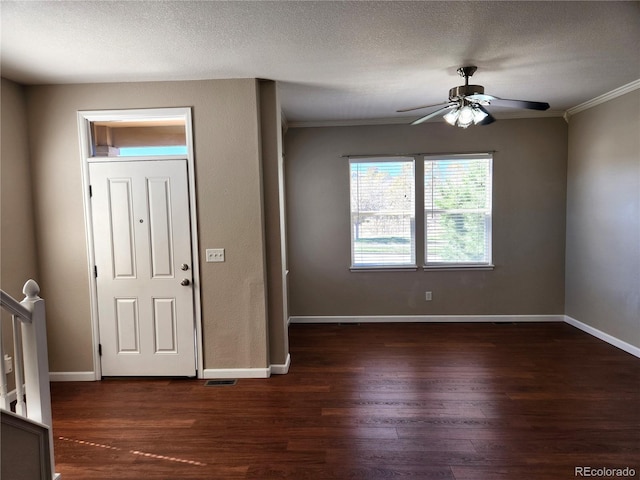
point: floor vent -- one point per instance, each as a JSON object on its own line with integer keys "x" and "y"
{"x": 220, "y": 383}
{"x": 348, "y": 324}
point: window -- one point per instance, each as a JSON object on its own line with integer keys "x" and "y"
{"x": 152, "y": 151}
{"x": 382, "y": 212}
{"x": 457, "y": 210}
{"x": 154, "y": 136}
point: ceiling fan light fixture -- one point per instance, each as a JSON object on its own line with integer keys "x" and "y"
{"x": 466, "y": 117}
{"x": 466, "y": 104}
{"x": 452, "y": 116}
{"x": 478, "y": 116}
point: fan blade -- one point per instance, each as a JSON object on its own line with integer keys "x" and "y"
{"x": 481, "y": 98}
{"x": 486, "y": 120}
{"x": 504, "y": 102}
{"x": 420, "y": 108}
{"x": 433, "y": 114}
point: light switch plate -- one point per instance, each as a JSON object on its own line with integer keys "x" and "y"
{"x": 215, "y": 254}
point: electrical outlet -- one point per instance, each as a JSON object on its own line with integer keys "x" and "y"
{"x": 215, "y": 254}
{"x": 427, "y": 296}
{"x": 8, "y": 364}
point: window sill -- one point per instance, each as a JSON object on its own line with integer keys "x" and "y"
{"x": 382, "y": 268}
{"x": 443, "y": 268}
{"x": 414, "y": 268}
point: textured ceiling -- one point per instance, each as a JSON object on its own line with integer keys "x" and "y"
{"x": 335, "y": 61}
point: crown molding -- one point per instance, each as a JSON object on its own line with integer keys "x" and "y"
{"x": 351, "y": 122}
{"x": 407, "y": 120}
{"x": 629, "y": 87}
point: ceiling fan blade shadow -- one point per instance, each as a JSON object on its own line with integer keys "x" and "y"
{"x": 420, "y": 108}
{"x": 433, "y": 114}
{"x": 486, "y": 120}
{"x": 526, "y": 104}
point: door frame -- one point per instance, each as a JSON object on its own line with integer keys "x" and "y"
{"x": 84, "y": 133}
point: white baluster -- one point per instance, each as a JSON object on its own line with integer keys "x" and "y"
{"x": 18, "y": 361}
{"x": 4, "y": 399}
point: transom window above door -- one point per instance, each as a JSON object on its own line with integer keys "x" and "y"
{"x": 145, "y": 137}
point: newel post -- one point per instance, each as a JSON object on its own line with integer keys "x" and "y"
{"x": 36, "y": 361}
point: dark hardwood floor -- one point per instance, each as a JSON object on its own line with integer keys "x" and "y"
{"x": 373, "y": 401}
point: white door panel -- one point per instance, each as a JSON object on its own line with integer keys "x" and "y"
{"x": 142, "y": 238}
{"x": 120, "y": 216}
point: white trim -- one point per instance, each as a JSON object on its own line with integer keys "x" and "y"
{"x": 195, "y": 252}
{"x": 426, "y": 318}
{"x": 12, "y": 396}
{"x": 610, "y": 339}
{"x": 383, "y": 268}
{"x": 352, "y": 122}
{"x": 84, "y": 134}
{"x": 629, "y": 87}
{"x": 459, "y": 267}
{"x": 72, "y": 376}
{"x": 84, "y": 120}
{"x": 406, "y": 120}
{"x": 236, "y": 373}
{"x": 281, "y": 369}
{"x": 616, "y": 342}
{"x": 145, "y": 158}
{"x": 276, "y": 369}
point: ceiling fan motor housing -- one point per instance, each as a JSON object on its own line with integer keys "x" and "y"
{"x": 462, "y": 91}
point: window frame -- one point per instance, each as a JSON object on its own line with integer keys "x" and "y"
{"x": 412, "y": 265}
{"x": 485, "y": 265}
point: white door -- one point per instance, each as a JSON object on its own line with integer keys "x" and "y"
{"x": 142, "y": 242}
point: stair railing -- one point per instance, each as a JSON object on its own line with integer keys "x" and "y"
{"x": 31, "y": 363}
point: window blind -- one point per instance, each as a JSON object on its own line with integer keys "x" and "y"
{"x": 458, "y": 191}
{"x": 382, "y": 212}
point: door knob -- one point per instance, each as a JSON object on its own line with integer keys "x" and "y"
{"x": 184, "y": 267}
{"x": 185, "y": 282}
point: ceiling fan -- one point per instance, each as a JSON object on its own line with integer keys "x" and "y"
{"x": 466, "y": 104}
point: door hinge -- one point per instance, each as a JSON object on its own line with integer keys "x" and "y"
{"x": 100, "y": 349}
{"x": 95, "y": 271}
{"x": 90, "y": 191}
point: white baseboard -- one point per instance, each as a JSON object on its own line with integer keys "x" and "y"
{"x": 72, "y": 376}
{"x": 207, "y": 374}
{"x": 616, "y": 342}
{"x": 427, "y": 319}
{"x": 621, "y": 344}
{"x": 275, "y": 369}
{"x": 236, "y": 373}
{"x": 281, "y": 369}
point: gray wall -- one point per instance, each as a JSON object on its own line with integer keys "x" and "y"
{"x": 230, "y": 214}
{"x": 17, "y": 236}
{"x": 271, "y": 136}
{"x": 529, "y": 197}
{"x": 603, "y": 218}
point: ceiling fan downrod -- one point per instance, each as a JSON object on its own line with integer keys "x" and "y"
{"x": 465, "y": 90}
{"x": 466, "y": 72}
